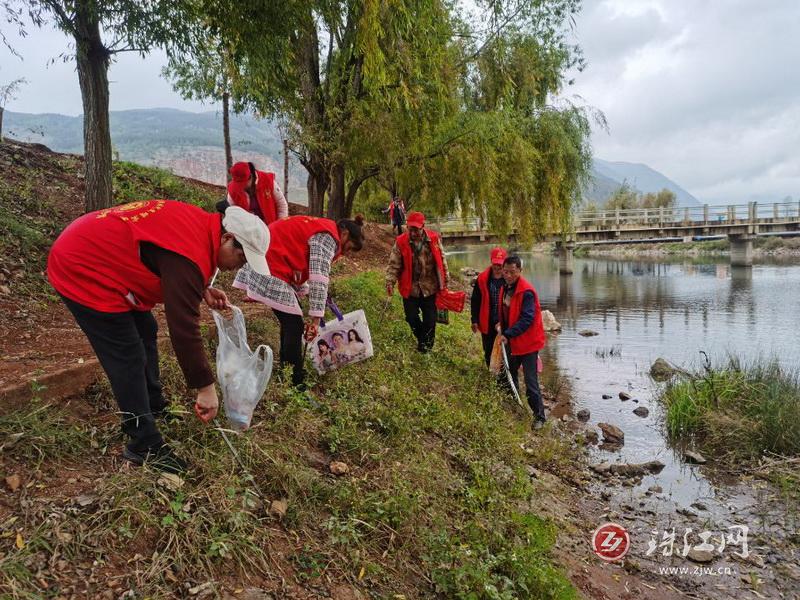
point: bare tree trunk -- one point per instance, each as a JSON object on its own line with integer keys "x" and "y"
{"x": 2, "y": 110}
{"x": 92, "y": 58}
{"x": 317, "y": 183}
{"x": 226, "y": 134}
{"x": 286, "y": 169}
{"x": 336, "y": 199}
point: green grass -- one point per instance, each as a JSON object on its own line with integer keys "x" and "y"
{"x": 136, "y": 182}
{"x": 437, "y": 504}
{"x": 748, "y": 416}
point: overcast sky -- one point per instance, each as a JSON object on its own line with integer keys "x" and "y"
{"x": 706, "y": 92}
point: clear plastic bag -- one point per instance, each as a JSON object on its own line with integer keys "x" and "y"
{"x": 243, "y": 374}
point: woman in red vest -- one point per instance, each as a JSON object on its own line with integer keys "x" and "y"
{"x": 257, "y": 192}
{"x": 418, "y": 266}
{"x": 484, "y": 302}
{"x": 112, "y": 266}
{"x": 521, "y": 327}
{"x": 300, "y": 256}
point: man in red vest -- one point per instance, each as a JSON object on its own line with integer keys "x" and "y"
{"x": 521, "y": 327}
{"x": 484, "y": 302}
{"x": 112, "y": 266}
{"x": 418, "y": 266}
{"x": 257, "y": 192}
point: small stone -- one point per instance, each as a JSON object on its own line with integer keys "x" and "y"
{"x": 607, "y": 396}
{"x": 339, "y": 468}
{"x": 4, "y": 290}
{"x": 72, "y": 480}
{"x": 587, "y": 333}
{"x": 699, "y": 506}
{"x": 170, "y": 481}
{"x": 13, "y": 482}
{"x": 700, "y": 556}
{"x": 11, "y": 440}
{"x": 601, "y": 468}
{"x": 84, "y": 501}
{"x": 278, "y": 508}
{"x": 592, "y": 437}
{"x": 641, "y": 411}
{"x": 583, "y": 415}
{"x": 694, "y": 457}
{"x": 661, "y": 370}
{"x": 612, "y": 433}
{"x": 656, "y": 489}
{"x": 624, "y": 396}
{"x": 687, "y": 513}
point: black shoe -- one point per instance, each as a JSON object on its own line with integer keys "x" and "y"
{"x": 162, "y": 458}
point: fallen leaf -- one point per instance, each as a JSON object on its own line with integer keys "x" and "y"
{"x": 13, "y": 482}
{"x": 20, "y": 542}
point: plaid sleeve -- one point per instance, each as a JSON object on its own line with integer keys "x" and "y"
{"x": 322, "y": 249}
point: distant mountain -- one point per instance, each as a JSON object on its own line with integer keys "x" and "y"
{"x": 189, "y": 144}
{"x": 607, "y": 177}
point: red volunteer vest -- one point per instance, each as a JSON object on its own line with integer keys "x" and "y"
{"x": 95, "y": 261}
{"x": 483, "y": 285}
{"x": 265, "y": 184}
{"x": 289, "y": 252}
{"x": 534, "y": 338}
{"x": 404, "y": 245}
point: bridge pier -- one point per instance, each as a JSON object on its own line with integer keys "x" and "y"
{"x": 566, "y": 257}
{"x": 741, "y": 249}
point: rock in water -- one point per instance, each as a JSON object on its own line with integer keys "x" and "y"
{"x": 587, "y": 333}
{"x": 592, "y": 437}
{"x": 694, "y": 457}
{"x": 549, "y": 321}
{"x": 641, "y": 411}
{"x": 583, "y": 415}
{"x": 606, "y": 396}
{"x": 624, "y": 396}
{"x": 637, "y": 470}
{"x": 611, "y": 433}
{"x": 661, "y": 370}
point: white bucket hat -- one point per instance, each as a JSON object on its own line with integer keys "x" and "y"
{"x": 252, "y": 234}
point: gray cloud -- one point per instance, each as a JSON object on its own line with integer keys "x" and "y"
{"x": 706, "y": 92}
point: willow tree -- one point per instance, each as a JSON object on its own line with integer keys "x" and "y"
{"x": 100, "y": 30}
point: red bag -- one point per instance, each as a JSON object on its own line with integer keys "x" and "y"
{"x": 450, "y": 300}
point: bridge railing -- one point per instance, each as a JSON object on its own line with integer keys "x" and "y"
{"x": 728, "y": 214}
{"x": 603, "y": 219}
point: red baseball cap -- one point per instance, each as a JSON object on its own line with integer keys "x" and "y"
{"x": 498, "y": 256}
{"x": 240, "y": 172}
{"x": 415, "y": 219}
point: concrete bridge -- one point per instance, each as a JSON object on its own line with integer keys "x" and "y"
{"x": 740, "y": 223}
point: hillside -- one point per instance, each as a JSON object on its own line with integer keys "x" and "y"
{"x": 186, "y": 143}
{"x": 639, "y": 176}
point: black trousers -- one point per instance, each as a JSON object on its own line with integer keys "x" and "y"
{"x": 291, "y": 351}
{"x": 529, "y": 364}
{"x": 424, "y": 329}
{"x": 488, "y": 343}
{"x": 126, "y": 346}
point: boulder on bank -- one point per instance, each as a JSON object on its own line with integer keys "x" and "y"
{"x": 549, "y": 321}
{"x": 583, "y": 415}
{"x": 612, "y": 434}
{"x": 661, "y": 370}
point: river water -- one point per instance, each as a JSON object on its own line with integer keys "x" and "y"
{"x": 645, "y": 309}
